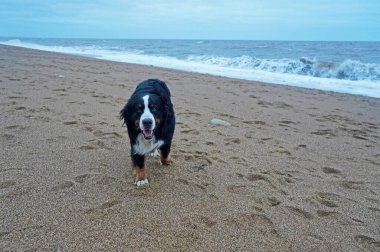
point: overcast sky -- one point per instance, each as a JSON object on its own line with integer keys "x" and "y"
{"x": 183, "y": 19}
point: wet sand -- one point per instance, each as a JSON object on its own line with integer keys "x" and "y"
{"x": 297, "y": 170}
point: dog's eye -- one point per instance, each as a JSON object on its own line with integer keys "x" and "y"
{"x": 139, "y": 108}
{"x": 153, "y": 107}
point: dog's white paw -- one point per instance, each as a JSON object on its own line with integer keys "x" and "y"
{"x": 142, "y": 182}
{"x": 155, "y": 153}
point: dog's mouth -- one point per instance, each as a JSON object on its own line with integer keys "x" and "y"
{"x": 148, "y": 134}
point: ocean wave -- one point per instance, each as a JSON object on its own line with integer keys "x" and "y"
{"x": 347, "y": 70}
{"x": 94, "y": 51}
{"x": 349, "y": 76}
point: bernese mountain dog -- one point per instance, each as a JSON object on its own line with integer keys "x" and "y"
{"x": 149, "y": 117}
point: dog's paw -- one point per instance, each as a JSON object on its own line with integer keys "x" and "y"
{"x": 142, "y": 182}
{"x": 155, "y": 153}
{"x": 166, "y": 161}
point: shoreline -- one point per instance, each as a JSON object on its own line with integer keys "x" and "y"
{"x": 345, "y": 86}
{"x": 297, "y": 170}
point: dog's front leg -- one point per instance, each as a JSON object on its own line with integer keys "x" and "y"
{"x": 164, "y": 152}
{"x": 139, "y": 169}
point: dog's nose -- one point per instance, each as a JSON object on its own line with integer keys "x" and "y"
{"x": 147, "y": 123}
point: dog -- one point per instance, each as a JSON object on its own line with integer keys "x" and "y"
{"x": 150, "y": 120}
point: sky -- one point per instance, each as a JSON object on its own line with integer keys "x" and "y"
{"x": 322, "y": 20}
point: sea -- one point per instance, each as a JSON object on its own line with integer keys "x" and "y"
{"x": 345, "y": 67}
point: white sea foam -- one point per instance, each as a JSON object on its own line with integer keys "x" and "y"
{"x": 348, "y": 69}
{"x": 349, "y": 76}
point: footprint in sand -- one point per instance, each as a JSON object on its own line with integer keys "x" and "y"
{"x": 301, "y": 146}
{"x": 240, "y": 189}
{"x": 94, "y": 179}
{"x": 107, "y": 135}
{"x": 59, "y": 90}
{"x": 18, "y": 97}
{"x": 286, "y": 123}
{"x": 71, "y": 123}
{"x": 328, "y": 133}
{"x": 83, "y": 178}
{"x": 256, "y": 177}
{"x": 6, "y": 184}
{"x": 76, "y": 102}
{"x": 209, "y": 143}
{"x": 190, "y": 131}
{"x": 300, "y": 212}
{"x": 62, "y": 94}
{"x": 250, "y": 135}
{"x": 104, "y": 180}
{"x": 328, "y": 199}
{"x": 197, "y": 158}
{"x": 367, "y": 242}
{"x": 89, "y": 128}
{"x": 194, "y": 185}
{"x": 361, "y": 134}
{"x": 229, "y": 140}
{"x": 50, "y": 99}
{"x": 258, "y": 124}
{"x": 56, "y": 139}
{"x": 86, "y": 114}
{"x": 340, "y": 218}
{"x": 374, "y": 209}
{"x": 188, "y": 114}
{"x": 244, "y": 221}
{"x": 63, "y": 185}
{"x": 104, "y": 208}
{"x": 233, "y": 93}
{"x": 329, "y": 170}
{"x": 283, "y": 105}
{"x": 6, "y": 137}
{"x": 198, "y": 220}
{"x": 20, "y": 108}
{"x": 95, "y": 144}
{"x": 264, "y": 104}
{"x": 275, "y": 180}
{"x": 227, "y": 116}
{"x": 239, "y": 160}
{"x": 273, "y": 201}
{"x": 355, "y": 185}
{"x": 281, "y": 150}
{"x": 17, "y": 127}
{"x": 323, "y": 213}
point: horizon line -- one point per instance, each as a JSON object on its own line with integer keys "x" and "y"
{"x": 196, "y": 39}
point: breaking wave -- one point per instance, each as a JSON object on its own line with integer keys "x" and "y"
{"x": 346, "y": 70}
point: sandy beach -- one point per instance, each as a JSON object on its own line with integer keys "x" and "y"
{"x": 297, "y": 170}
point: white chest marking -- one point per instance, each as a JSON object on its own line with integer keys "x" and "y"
{"x": 143, "y": 146}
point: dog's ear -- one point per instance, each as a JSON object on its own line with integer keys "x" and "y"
{"x": 165, "y": 102}
{"x": 125, "y": 113}
{"x": 163, "y": 92}
{"x": 167, "y": 109}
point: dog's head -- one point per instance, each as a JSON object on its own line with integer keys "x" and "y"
{"x": 143, "y": 114}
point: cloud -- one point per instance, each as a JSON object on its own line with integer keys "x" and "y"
{"x": 222, "y": 17}
{"x": 232, "y": 12}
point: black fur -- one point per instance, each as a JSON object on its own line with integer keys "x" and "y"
{"x": 160, "y": 96}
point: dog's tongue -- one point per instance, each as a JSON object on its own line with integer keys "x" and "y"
{"x": 148, "y": 133}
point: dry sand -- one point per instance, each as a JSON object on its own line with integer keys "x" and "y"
{"x": 297, "y": 170}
